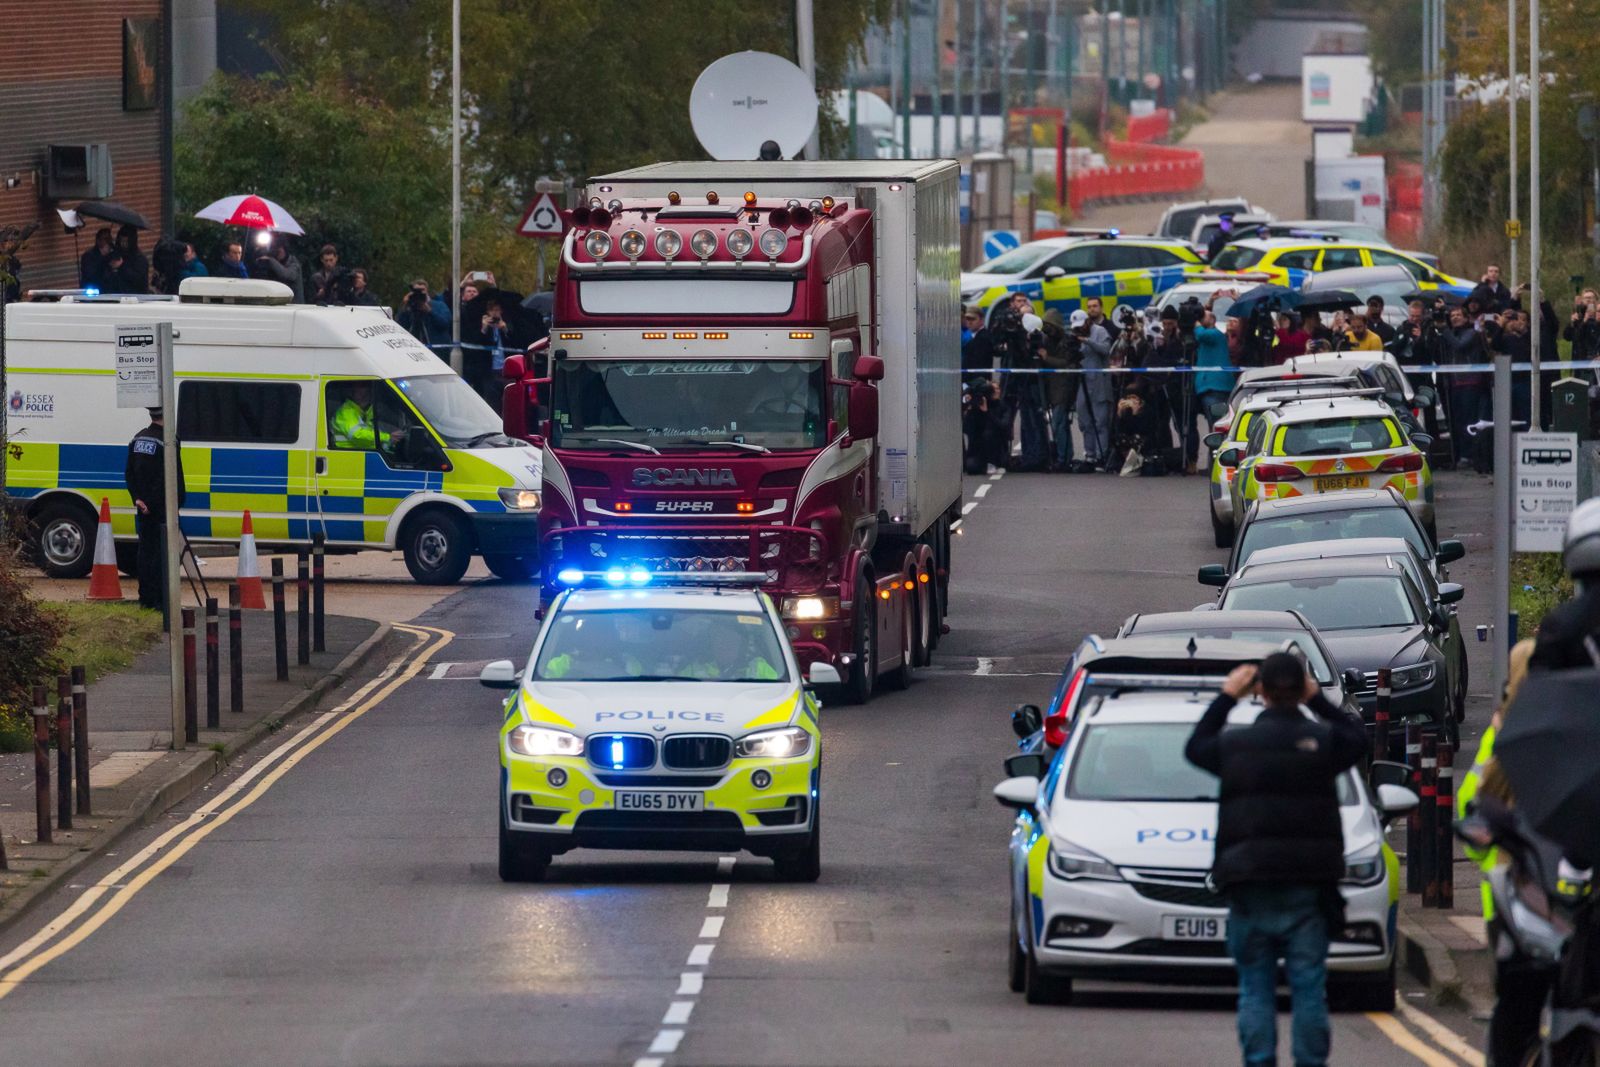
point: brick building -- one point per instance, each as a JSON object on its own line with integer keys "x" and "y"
{"x": 75, "y": 73}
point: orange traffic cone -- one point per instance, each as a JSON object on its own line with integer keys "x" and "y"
{"x": 250, "y": 592}
{"x": 104, "y": 582}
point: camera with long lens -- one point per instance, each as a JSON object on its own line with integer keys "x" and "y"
{"x": 417, "y": 298}
{"x": 1126, "y": 316}
{"x": 1190, "y": 313}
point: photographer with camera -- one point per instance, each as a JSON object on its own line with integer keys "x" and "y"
{"x": 360, "y": 295}
{"x": 1469, "y": 395}
{"x": 325, "y": 279}
{"x": 1020, "y": 346}
{"x": 1169, "y": 361}
{"x": 1091, "y": 346}
{"x": 1583, "y": 329}
{"x": 1060, "y": 388}
{"x": 276, "y": 263}
{"x": 425, "y": 316}
{"x": 983, "y": 451}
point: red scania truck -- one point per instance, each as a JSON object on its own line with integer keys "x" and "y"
{"x": 755, "y": 367}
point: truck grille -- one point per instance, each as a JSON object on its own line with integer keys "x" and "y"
{"x": 696, "y": 752}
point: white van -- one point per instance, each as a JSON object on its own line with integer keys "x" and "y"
{"x": 259, "y": 384}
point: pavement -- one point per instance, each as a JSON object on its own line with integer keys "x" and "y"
{"x": 1255, "y": 146}
{"x": 332, "y": 897}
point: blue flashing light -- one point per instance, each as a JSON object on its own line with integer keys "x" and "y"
{"x": 617, "y": 759}
{"x": 570, "y": 576}
{"x": 616, "y": 576}
{"x": 1114, "y": 232}
{"x": 639, "y": 576}
{"x": 91, "y": 291}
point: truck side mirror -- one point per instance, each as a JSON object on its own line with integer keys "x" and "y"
{"x": 515, "y": 367}
{"x": 863, "y": 420}
{"x": 868, "y": 369}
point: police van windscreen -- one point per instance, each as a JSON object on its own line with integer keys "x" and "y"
{"x": 661, "y": 645}
{"x": 459, "y": 415}
{"x": 1144, "y": 761}
{"x": 774, "y": 404}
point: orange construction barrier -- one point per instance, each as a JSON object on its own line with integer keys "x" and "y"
{"x": 104, "y": 581}
{"x": 251, "y": 594}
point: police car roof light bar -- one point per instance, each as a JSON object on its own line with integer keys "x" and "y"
{"x": 634, "y": 576}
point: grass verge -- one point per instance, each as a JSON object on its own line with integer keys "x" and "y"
{"x": 1537, "y": 584}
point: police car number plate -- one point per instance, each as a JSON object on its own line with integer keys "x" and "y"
{"x": 1194, "y": 927}
{"x": 641, "y": 800}
{"x": 1343, "y": 481}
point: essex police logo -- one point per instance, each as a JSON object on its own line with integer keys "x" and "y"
{"x": 16, "y": 400}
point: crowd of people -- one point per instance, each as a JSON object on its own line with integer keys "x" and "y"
{"x": 1144, "y": 386}
{"x": 494, "y": 321}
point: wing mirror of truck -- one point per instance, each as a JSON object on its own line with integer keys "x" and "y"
{"x": 863, "y": 420}
{"x": 868, "y": 369}
{"x": 515, "y": 367}
{"x": 1212, "y": 574}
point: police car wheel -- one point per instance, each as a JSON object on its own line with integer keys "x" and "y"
{"x": 1016, "y": 962}
{"x": 437, "y": 546}
{"x": 1040, "y": 987}
{"x": 520, "y": 861}
{"x": 1461, "y": 690}
{"x": 804, "y": 862}
{"x": 1221, "y": 532}
{"x": 66, "y": 540}
{"x": 1370, "y": 993}
{"x": 512, "y": 568}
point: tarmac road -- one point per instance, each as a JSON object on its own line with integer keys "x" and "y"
{"x": 334, "y": 900}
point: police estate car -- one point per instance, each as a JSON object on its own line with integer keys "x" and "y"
{"x": 1111, "y": 856}
{"x": 658, "y": 716}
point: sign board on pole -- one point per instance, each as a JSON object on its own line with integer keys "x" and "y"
{"x": 138, "y": 367}
{"x": 542, "y": 219}
{"x": 999, "y": 242}
{"x": 1546, "y": 488}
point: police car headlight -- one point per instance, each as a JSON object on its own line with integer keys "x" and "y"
{"x": 1071, "y": 862}
{"x": 520, "y": 499}
{"x": 781, "y": 743}
{"x": 1409, "y": 677}
{"x": 542, "y": 741}
{"x": 808, "y": 608}
{"x": 1364, "y": 867}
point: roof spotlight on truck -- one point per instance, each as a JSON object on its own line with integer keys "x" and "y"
{"x": 597, "y": 244}
{"x": 669, "y": 243}
{"x": 703, "y": 243}
{"x": 740, "y": 242}
{"x": 631, "y": 244}
{"x": 773, "y": 242}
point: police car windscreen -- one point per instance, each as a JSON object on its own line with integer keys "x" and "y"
{"x": 451, "y": 406}
{"x": 1144, "y": 761}
{"x": 1237, "y": 257}
{"x": 1332, "y": 437}
{"x": 1385, "y": 521}
{"x": 658, "y": 645}
{"x": 1015, "y": 261}
{"x": 684, "y": 403}
{"x": 1358, "y": 602}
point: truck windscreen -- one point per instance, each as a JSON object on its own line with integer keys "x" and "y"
{"x": 683, "y": 403}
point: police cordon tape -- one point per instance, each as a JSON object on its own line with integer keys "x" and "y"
{"x": 1430, "y": 368}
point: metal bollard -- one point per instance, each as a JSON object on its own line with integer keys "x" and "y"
{"x": 1380, "y": 717}
{"x": 41, "y": 764}
{"x": 191, "y": 711}
{"x": 319, "y": 641}
{"x": 280, "y": 625}
{"x": 64, "y": 751}
{"x": 235, "y": 651}
{"x": 1414, "y": 819}
{"x": 213, "y": 667}
{"x": 80, "y": 738}
{"x": 1427, "y": 853}
{"x": 302, "y": 632}
{"x": 1445, "y": 841}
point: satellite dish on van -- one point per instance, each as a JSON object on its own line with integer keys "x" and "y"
{"x": 746, "y": 98}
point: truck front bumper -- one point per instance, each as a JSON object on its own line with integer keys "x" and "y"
{"x": 510, "y": 533}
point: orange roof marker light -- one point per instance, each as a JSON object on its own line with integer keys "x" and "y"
{"x": 673, "y": 198}
{"x": 749, "y": 199}
{"x": 711, "y": 197}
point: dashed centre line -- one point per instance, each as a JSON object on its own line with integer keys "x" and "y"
{"x": 690, "y": 983}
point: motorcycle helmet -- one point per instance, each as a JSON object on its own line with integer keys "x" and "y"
{"x": 1580, "y": 549}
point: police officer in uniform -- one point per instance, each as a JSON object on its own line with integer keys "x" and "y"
{"x": 1569, "y": 636}
{"x": 145, "y": 475}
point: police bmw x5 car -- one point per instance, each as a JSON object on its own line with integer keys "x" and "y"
{"x": 1111, "y": 855}
{"x": 659, "y": 717}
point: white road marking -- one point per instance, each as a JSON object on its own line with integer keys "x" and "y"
{"x": 439, "y": 671}
{"x": 700, "y": 955}
{"x": 719, "y": 896}
{"x": 725, "y": 864}
{"x": 985, "y": 667}
{"x": 666, "y": 1041}
{"x": 966, "y": 509}
{"x": 955, "y": 527}
{"x": 712, "y": 927}
{"x": 690, "y": 983}
{"x": 678, "y": 1013}
{"x": 983, "y": 490}
{"x": 649, "y": 1061}
{"x": 997, "y": 475}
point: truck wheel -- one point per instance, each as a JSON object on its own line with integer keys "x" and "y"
{"x": 924, "y": 627}
{"x": 520, "y": 861}
{"x": 512, "y": 568}
{"x": 900, "y": 677}
{"x": 864, "y": 644}
{"x": 437, "y": 546}
{"x": 65, "y": 539}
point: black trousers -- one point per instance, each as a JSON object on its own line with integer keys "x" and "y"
{"x": 1521, "y": 988}
{"x": 152, "y": 550}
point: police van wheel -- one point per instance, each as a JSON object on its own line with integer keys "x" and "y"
{"x": 437, "y": 546}
{"x": 803, "y": 863}
{"x": 519, "y": 861}
{"x": 66, "y": 533}
{"x": 1040, "y": 987}
{"x": 512, "y": 568}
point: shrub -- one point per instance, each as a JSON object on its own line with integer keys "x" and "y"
{"x": 29, "y": 637}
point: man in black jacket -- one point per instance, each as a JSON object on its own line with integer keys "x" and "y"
{"x": 145, "y": 475}
{"x": 1279, "y": 846}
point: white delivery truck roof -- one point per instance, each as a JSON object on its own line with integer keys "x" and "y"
{"x": 916, "y": 206}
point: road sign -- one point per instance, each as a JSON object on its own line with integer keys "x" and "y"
{"x": 1546, "y": 489}
{"x": 543, "y": 219}
{"x": 1513, "y": 228}
{"x": 999, "y": 242}
{"x": 138, "y": 366}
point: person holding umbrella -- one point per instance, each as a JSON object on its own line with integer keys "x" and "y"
{"x": 94, "y": 265}
{"x": 128, "y": 269}
{"x": 278, "y": 264}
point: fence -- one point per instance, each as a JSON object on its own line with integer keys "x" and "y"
{"x": 1134, "y": 170}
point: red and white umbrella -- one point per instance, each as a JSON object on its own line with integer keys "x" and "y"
{"x": 254, "y": 212}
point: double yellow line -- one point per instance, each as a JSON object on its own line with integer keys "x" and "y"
{"x": 1445, "y": 1040}
{"x": 69, "y": 929}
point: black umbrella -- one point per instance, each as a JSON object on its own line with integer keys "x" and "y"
{"x": 1329, "y": 300}
{"x": 544, "y": 303}
{"x": 1546, "y": 749}
{"x": 1429, "y": 296}
{"x": 111, "y": 211}
{"x": 1266, "y": 297}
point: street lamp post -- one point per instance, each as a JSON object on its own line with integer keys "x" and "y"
{"x": 456, "y": 363}
{"x": 1513, "y": 225}
{"x": 1534, "y": 227}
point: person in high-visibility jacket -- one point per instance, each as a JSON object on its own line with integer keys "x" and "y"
{"x": 1521, "y": 985}
{"x": 730, "y": 660}
{"x": 352, "y": 422}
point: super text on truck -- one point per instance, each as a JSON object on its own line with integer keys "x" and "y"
{"x": 317, "y": 420}
{"x": 755, "y": 367}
